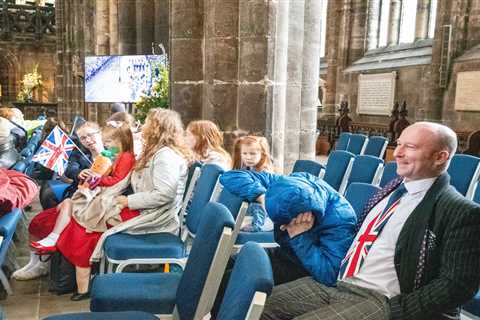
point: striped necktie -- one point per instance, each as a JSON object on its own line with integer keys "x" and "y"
{"x": 357, "y": 254}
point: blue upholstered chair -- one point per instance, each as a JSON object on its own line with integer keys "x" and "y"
{"x": 389, "y": 173}
{"x": 376, "y": 146}
{"x": 471, "y": 309}
{"x": 8, "y": 225}
{"x": 357, "y": 143}
{"x": 338, "y": 168}
{"x": 365, "y": 169}
{"x": 58, "y": 188}
{"x": 476, "y": 195}
{"x": 308, "y": 166}
{"x": 189, "y": 295}
{"x": 358, "y": 194}
{"x": 124, "y": 315}
{"x": 342, "y": 142}
{"x": 125, "y": 249}
{"x": 464, "y": 171}
{"x": 247, "y": 289}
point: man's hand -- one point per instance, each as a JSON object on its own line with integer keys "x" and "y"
{"x": 122, "y": 201}
{"x": 301, "y": 223}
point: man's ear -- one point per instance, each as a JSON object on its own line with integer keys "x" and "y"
{"x": 442, "y": 157}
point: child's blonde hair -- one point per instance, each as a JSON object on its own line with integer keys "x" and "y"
{"x": 119, "y": 131}
{"x": 265, "y": 163}
{"x": 208, "y": 137}
{"x": 163, "y": 128}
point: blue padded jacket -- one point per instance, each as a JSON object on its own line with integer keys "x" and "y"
{"x": 320, "y": 249}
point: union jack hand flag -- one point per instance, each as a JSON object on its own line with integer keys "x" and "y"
{"x": 54, "y": 151}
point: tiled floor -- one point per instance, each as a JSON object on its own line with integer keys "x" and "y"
{"x": 31, "y": 299}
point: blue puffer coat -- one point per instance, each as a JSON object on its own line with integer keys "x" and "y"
{"x": 320, "y": 249}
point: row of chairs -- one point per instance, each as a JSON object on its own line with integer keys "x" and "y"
{"x": 8, "y": 225}
{"x": 189, "y": 295}
{"x": 25, "y": 163}
{"x": 360, "y": 144}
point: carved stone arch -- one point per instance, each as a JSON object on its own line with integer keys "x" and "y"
{"x": 9, "y": 76}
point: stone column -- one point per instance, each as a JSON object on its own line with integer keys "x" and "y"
{"x": 394, "y": 23}
{"x": 102, "y": 41}
{"x": 145, "y": 30}
{"x": 276, "y": 100}
{"x": 294, "y": 82}
{"x": 186, "y": 57}
{"x": 311, "y": 65}
{"x": 113, "y": 25}
{"x": 373, "y": 25}
{"x": 162, "y": 23}
{"x": 126, "y": 27}
{"x": 220, "y": 94}
{"x": 421, "y": 20}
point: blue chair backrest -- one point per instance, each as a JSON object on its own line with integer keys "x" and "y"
{"x": 476, "y": 195}
{"x": 231, "y": 201}
{"x": 8, "y": 225}
{"x": 201, "y": 195}
{"x": 244, "y": 282}
{"x": 191, "y": 170}
{"x": 463, "y": 170}
{"x": 358, "y": 194}
{"x": 357, "y": 143}
{"x": 473, "y": 306}
{"x": 364, "y": 169}
{"x": 337, "y": 165}
{"x": 216, "y": 217}
{"x": 342, "y": 142}
{"x": 389, "y": 173}
{"x": 376, "y": 146}
{"x": 308, "y": 166}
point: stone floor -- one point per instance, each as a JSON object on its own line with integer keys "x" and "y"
{"x": 31, "y": 299}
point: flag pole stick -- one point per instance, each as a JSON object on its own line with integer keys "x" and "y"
{"x": 82, "y": 153}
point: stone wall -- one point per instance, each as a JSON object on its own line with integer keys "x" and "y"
{"x": 417, "y": 84}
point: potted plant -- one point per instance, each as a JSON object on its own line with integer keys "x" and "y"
{"x": 157, "y": 98}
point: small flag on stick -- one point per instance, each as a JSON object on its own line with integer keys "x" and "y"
{"x": 54, "y": 151}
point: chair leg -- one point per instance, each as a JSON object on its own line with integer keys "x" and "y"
{"x": 5, "y": 282}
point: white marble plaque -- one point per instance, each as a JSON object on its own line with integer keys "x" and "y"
{"x": 467, "y": 93}
{"x": 376, "y": 93}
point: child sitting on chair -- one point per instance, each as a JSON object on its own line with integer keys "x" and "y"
{"x": 253, "y": 153}
{"x": 96, "y": 194}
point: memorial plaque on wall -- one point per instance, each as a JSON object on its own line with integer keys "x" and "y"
{"x": 376, "y": 93}
{"x": 467, "y": 93}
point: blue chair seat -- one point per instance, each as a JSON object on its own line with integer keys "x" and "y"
{"x": 58, "y": 187}
{"x": 125, "y": 315}
{"x": 142, "y": 246}
{"x": 260, "y": 237}
{"x": 149, "y": 292}
{"x": 473, "y": 306}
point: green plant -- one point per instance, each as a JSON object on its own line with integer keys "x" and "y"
{"x": 157, "y": 98}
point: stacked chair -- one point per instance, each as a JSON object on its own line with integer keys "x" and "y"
{"x": 342, "y": 142}
{"x": 125, "y": 249}
{"x": 389, "y": 173}
{"x": 358, "y": 193}
{"x": 244, "y": 297}
{"x": 376, "y": 146}
{"x": 309, "y": 166}
{"x": 357, "y": 143}
{"x": 464, "y": 171}
{"x": 365, "y": 169}
{"x": 8, "y": 225}
{"x": 338, "y": 167}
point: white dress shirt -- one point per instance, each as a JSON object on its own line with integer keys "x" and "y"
{"x": 378, "y": 270}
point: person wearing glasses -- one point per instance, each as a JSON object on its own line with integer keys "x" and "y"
{"x": 90, "y": 139}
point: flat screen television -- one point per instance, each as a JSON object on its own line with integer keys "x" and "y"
{"x": 121, "y": 78}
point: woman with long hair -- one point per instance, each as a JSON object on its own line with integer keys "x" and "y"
{"x": 158, "y": 182}
{"x": 206, "y": 141}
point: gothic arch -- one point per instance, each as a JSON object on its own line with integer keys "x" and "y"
{"x": 9, "y": 76}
